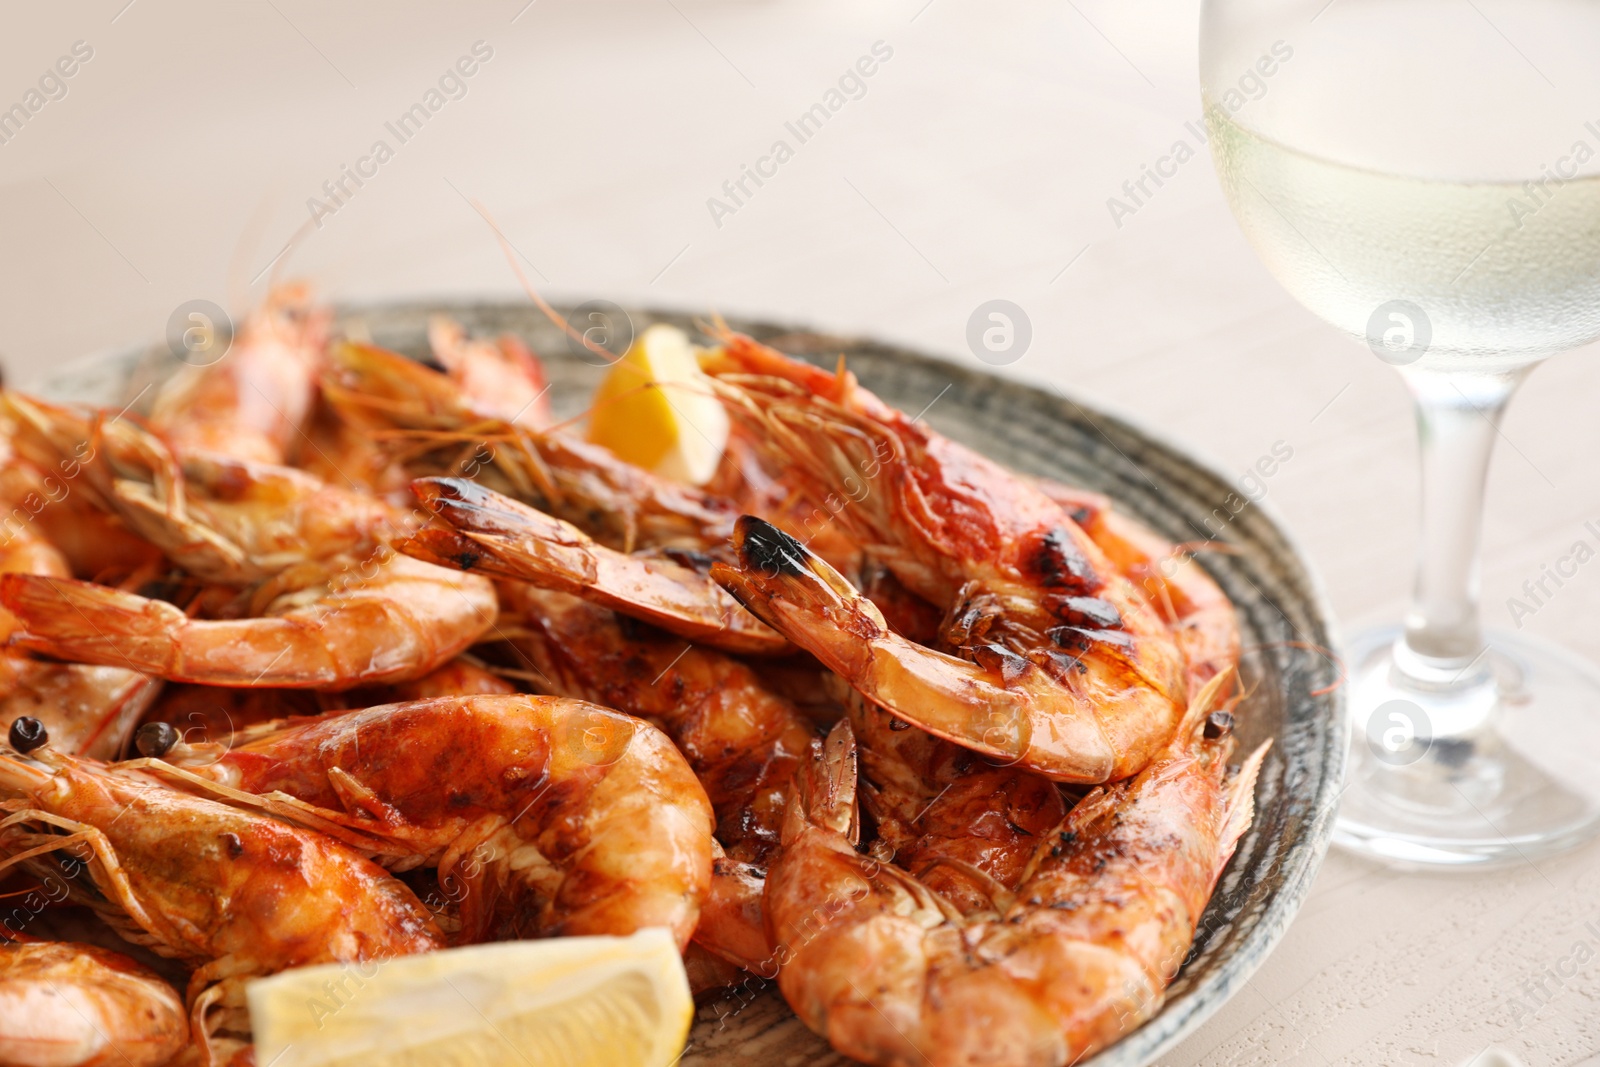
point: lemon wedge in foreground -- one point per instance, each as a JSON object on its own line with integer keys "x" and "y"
{"x": 655, "y": 409}
{"x": 562, "y": 1002}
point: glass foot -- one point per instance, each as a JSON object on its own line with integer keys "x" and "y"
{"x": 1500, "y": 770}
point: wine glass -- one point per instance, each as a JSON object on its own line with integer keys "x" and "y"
{"x": 1425, "y": 175}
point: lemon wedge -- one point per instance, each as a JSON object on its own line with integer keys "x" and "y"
{"x": 562, "y": 1002}
{"x": 656, "y": 409}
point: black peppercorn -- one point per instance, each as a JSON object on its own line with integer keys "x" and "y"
{"x": 28, "y": 733}
{"x": 155, "y": 739}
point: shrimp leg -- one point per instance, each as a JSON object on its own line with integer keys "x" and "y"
{"x": 966, "y": 829}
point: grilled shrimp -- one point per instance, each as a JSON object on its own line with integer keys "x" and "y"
{"x": 323, "y": 626}
{"x": 331, "y": 605}
{"x": 742, "y": 740}
{"x": 1074, "y": 675}
{"x": 558, "y": 816}
{"x": 499, "y": 379}
{"x": 492, "y": 534}
{"x": 1105, "y": 913}
{"x": 1000, "y": 703}
{"x": 235, "y": 523}
{"x": 221, "y": 519}
{"x": 437, "y": 430}
{"x": 251, "y": 403}
{"x": 1201, "y": 616}
{"x": 231, "y": 891}
{"x": 70, "y": 1005}
{"x": 45, "y": 506}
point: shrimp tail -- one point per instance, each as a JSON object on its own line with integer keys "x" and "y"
{"x": 784, "y": 584}
{"x": 494, "y": 534}
{"x": 447, "y": 548}
{"x": 993, "y": 709}
{"x": 469, "y": 506}
{"x": 90, "y": 623}
{"x": 1241, "y": 804}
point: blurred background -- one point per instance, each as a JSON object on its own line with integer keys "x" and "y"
{"x": 976, "y": 162}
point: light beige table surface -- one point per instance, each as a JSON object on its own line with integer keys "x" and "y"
{"x": 975, "y": 164}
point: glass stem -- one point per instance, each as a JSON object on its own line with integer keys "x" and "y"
{"x": 1458, "y": 419}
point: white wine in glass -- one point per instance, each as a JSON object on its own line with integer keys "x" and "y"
{"x": 1425, "y": 175}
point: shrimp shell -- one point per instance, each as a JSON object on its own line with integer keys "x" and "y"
{"x": 1202, "y": 619}
{"x": 560, "y": 817}
{"x": 742, "y": 740}
{"x": 331, "y": 626}
{"x": 1106, "y": 911}
{"x": 965, "y": 828}
{"x": 492, "y": 534}
{"x": 251, "y": 403}
{"x": 71, "y": 1005}
{"x": 231, "y": 891}
{"x": 1028, "y": 598}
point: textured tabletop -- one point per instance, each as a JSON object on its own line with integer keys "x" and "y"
{"x": 879, "y": 168}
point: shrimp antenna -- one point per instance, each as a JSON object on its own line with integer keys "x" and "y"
{"x": 237, "y": 288}
{"x": 1322, "y": 650}
{"x": 510, "y": 252}
{"x": 285, "y": 254}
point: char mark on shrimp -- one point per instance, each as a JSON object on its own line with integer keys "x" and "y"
{"x": 762, "y": 545}
{"x": 1058, "y": 563}
{"x": 1087, "y": 611}
{"x": 1082, "y": 638}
